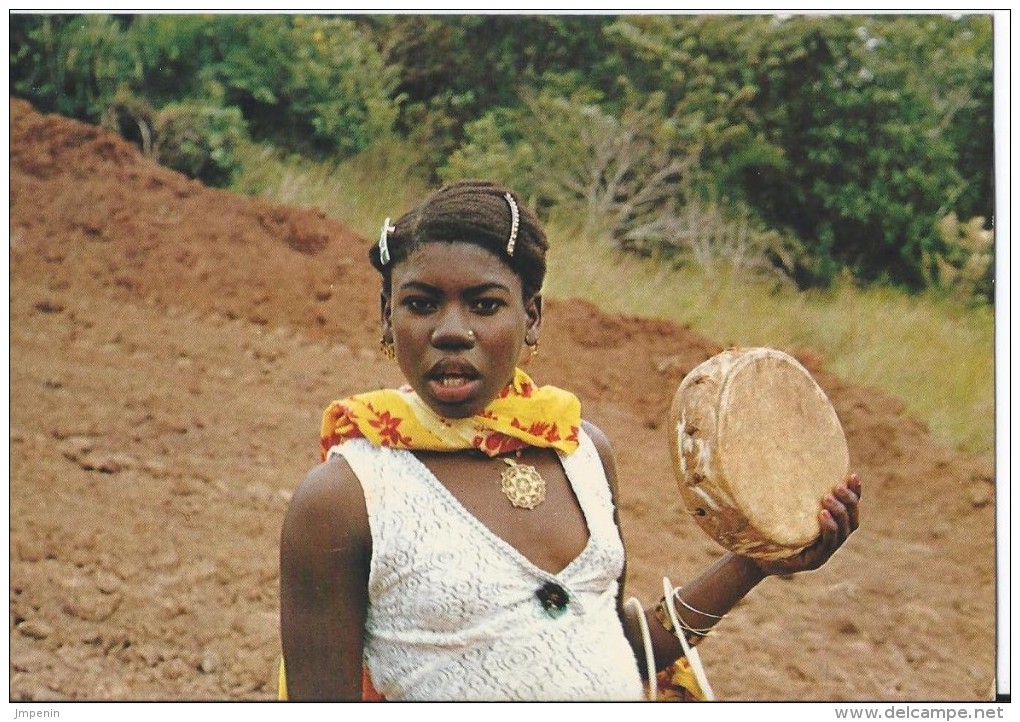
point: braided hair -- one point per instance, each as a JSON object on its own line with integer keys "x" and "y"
{"x": 470, "y": 211}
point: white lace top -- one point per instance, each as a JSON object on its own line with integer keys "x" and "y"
{"x": 453, "y": 613}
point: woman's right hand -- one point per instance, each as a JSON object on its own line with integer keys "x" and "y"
{"x": 839, "y": 517}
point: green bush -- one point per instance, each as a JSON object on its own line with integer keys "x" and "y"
{"x": 311, "y": 84}
{"x": 68, "y": 64}
{"x": 636, "y": 175}
{"x": 964, "y": 267}
{"x": 200, "y": 140}
{"x": 854, "y": 133}
{"x": 314, "y": 84}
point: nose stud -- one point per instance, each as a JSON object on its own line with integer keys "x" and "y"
{"x": 437, "y": 333}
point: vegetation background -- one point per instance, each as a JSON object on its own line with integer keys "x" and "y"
{"x": 801, "y": 181}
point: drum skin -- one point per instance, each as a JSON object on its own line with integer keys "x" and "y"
{"x": 756, "y": 445}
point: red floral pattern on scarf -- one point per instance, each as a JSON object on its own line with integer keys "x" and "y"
{"x": 388, "y": 426}
{"x": 521, "y": 415}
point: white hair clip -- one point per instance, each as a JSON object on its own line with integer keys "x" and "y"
{"x": 515, "y": 222}
{"x": 384, "y": 246}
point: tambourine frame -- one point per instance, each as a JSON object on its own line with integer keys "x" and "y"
{"x": 755, "y": 445}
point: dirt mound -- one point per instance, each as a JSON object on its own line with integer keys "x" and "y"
{"x": 171, "y": 349}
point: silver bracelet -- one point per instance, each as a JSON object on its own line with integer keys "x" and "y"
{"x": 662, "y": 614}
{"x": 677, "y": 597}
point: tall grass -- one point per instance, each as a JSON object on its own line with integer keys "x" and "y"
{"x": 361, "y": 191}
{"x": 934, "y": 354}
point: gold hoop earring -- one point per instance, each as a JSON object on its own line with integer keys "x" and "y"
{"x": 534, "y": 350}
{"x": 387, "y": 349}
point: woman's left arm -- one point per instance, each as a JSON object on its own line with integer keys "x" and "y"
{"x": 706, "y": 599}
{"x": 712, "y": 594}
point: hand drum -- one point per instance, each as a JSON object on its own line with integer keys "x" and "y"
{"x": 756, "y": 444}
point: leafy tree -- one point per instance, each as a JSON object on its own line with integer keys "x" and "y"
{"x": 633, "y": 174}
{"x": 871, "y": 170}
{"x": 315, "y": 84}
{"x": 68, "y": 64}
{"x": 456, "y": 68}
{"x": 953, "y": 69}
{"x": 834, "y": 127}
{"x": 311, "y": 83}
{"x": 171, "y": 52}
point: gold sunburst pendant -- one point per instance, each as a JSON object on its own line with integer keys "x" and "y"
{"x": 522, "y": 484}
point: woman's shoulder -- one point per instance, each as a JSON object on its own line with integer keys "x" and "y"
{"x": 605, "y": 451}
{"x": 329, "y": 497}
{"x": 602, "y": 445}
{"x": 333, "y": 473}
{"x": 597, "y": 436}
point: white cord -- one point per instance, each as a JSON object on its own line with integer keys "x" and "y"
{"x": 646, "y": 638}
{"x": 689, "y": 651}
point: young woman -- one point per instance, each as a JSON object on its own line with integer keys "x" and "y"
{"x": 460, "y": 540}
